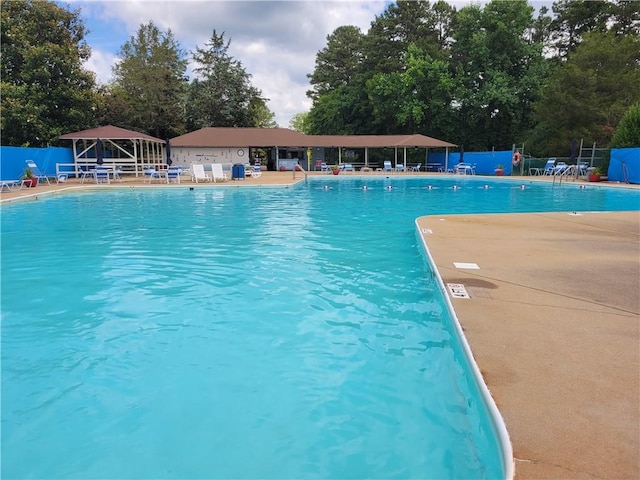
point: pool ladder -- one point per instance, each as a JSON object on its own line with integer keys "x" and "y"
{"x": 299, "y": 168}
{"x": 569, "y": 172}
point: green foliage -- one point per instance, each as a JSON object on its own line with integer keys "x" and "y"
{"x": 222, "y": 95}
{"x": 339, "y": 63}
{"x": 259, "y": 113}
{"x": 46, "y": 91}
{"x": 627, "y": 133}
{"x": 150, "y": 80}
{"x": 587, "y": 96}
{"x": 299, "y": 122}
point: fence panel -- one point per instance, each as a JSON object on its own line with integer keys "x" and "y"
{"x": 12, "y": 160}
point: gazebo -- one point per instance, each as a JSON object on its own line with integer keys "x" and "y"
{"x": 113, "y": 146}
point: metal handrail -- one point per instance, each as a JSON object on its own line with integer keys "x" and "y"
{"x": 299, "y": 168}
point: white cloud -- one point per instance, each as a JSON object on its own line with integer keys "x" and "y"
{"x": 276, "y": 42}
{"x": 100, "y": 63}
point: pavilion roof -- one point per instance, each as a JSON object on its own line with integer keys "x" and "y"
{"x": 284, "y": 137}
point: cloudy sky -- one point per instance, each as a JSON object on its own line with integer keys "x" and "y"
{"x": 276, "y": 41}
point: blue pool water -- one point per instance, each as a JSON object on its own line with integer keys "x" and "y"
{"x": 244, "y": 333}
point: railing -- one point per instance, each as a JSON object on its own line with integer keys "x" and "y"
{"x": 298, "y": 168}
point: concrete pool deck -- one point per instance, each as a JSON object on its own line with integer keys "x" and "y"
{"x": 553, "y": 323}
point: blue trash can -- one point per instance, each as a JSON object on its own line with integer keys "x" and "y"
{"x": 237, "y": 171}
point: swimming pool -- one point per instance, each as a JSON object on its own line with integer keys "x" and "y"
{"x": 228, "y": 333}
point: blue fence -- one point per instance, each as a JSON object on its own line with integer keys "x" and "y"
{"x": 624, "y": 165}
{"x": 485, "y": 162}
{"x": 12, "y": 160}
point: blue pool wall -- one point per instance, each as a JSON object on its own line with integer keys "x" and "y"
{"x": 624, "y": 165}
{"x": 13, "y": 160}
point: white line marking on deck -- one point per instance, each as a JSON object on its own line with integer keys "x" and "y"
{"x": 467, "y": 266}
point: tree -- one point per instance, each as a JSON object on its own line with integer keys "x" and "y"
{"x": 150, "y": 77}
{"x": 420, "y": 99}
{"x": 299, "y": 122}
{"x": 46, "y": 92}
{"x": 588, "y": 95}
{"x": 575, "y": 18}
{"x": 221, "y": 95}
{"x": 499, "y": 71}
{"x": 627, "y": 133}
{"x": 338, "y": 63}
{"x": 260, "y": 115}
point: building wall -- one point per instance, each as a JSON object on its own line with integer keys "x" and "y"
{"x": 187, "y": 156}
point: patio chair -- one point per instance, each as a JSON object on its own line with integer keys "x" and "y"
{"x": 101, "y": 175}
{"x": 549, "y": 166}
{"x": 197, "y": 173}
{"x": 255, "y": 171}
{"x": 347, "y": 167}
{"x": 84, "y": 173}
{"x": 416, "y": 168}
{"x": 151, "y": 174}
{"x": 324, "y": 167}
{"x": 218, "y": 173}
{"x": 173, "y": 174}
{"x": 560, "y": 168}
{"x": 31, "y": 165}
{"x": 11, "y": 184}
{"x": 387, "y": 166}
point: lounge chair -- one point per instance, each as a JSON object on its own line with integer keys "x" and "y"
{"x": 31, "y": 165}
{"x": 197, "y": 173}
{"x": 387, "y": 166}
{"x": 101, "y": 175}
{"x": 255, "y": 171}
{"x": 173, "y": 174}
{"x": 549, "y": 167}
{"x": 218, "y": 173}
{"x": 11, "y": 184}
{"x": 561, "y": 168}
{"x": 324, "y": 167}
{"x": 347, "y": 167}
{"x": 151, "y": 174}
{"x": 84, "y": 173}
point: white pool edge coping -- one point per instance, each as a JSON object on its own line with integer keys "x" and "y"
{"x": 506, "y": 448}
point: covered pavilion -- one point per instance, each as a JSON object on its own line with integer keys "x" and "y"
{"x": 212, "y": 143}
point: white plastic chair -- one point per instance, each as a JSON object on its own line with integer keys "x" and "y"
{"x": 387, "y": 166}
{"x": 218, "y": 173}
{"x": 197, "y": 173}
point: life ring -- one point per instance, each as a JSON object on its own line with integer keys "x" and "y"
{"x": 516, "y": 159}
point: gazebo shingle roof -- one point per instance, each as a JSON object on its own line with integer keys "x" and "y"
{"x": 108, "y": 132}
